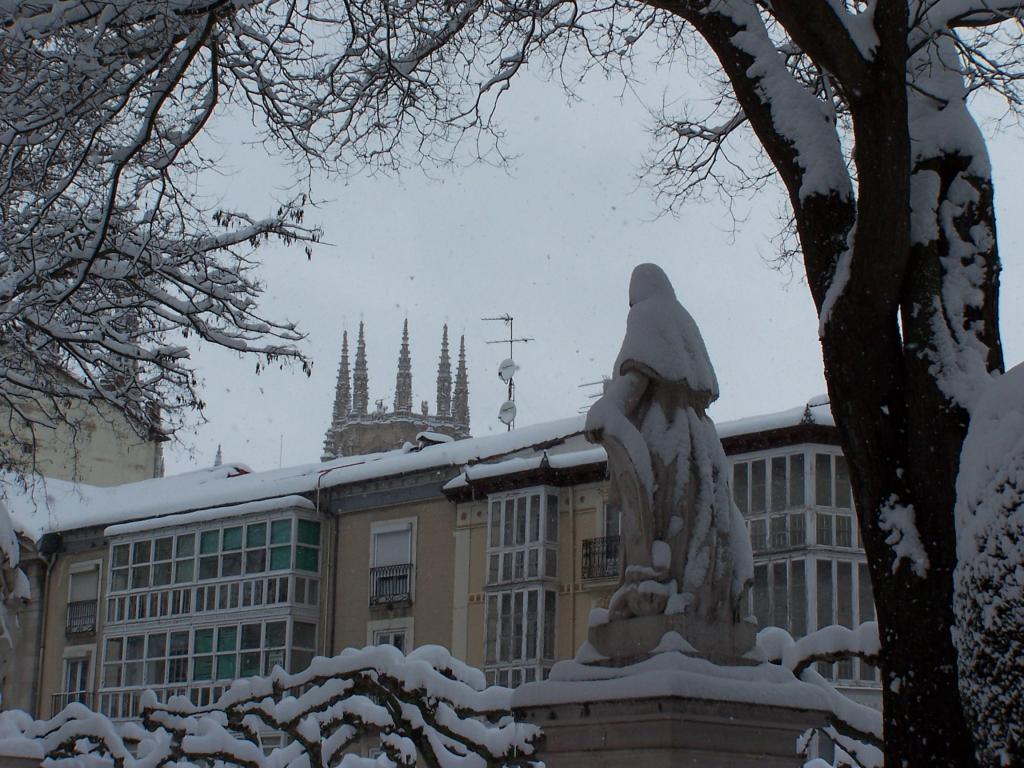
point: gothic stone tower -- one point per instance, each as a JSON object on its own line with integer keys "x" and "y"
{"x": 356, "y": 429}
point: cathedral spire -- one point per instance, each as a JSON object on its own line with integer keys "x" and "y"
{"x": 342, "y": 403}
{"x": 460, "y": 397}
{"x": 403, "y": 382}
{"x": 444, "y": 379}
{"x": 360, "y": 378}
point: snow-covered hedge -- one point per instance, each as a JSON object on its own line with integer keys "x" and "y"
{"x": 426, "y": 707}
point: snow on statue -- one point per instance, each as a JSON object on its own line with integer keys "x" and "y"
{"x": 685, "y": 548}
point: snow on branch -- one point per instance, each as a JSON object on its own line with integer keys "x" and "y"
{"x": 853, "y": 727}
{"x": 425, "y": 708}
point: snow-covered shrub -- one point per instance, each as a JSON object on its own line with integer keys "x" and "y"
{"x": 989, "y": 596}
{"x": 425, "y": 708}
{"x": 854, "y": 730}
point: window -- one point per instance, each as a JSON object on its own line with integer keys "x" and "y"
{"x": 76, "y": 678}
{"x": 777, "y": 528}
{"x": 303, "y": 645}
{"x": 775, "y": 484}
{"x": 797, "y": 529}
{"x": 824, "y": 589}
{"x": 83, "y": 593}
{"x": 391, "y": 575}
{"x": 758, "y": 536}
{"x": 395, "y": 637}
{"x": 797, "y": 599}
{"x": 824, "y": 529}
{"x": 844, "y": 531}
{"x": 523, "y": 536}
{"x": 762, "y": 606}
{"x": 520, "y": 634}
{"x": 832, "y": 481}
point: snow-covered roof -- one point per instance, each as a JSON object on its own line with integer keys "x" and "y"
{"x": 515, "y": 466}
{"x": 205, "y": 515}
{"x": 49, "y": 505}
{"x": 816, "y": 411}
{"x": 53, "y": 505}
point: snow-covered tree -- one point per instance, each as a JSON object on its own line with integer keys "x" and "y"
{"x": 107, "y": 259}
{"x": 426, "y": 708}
{"x": 990, "y": 573}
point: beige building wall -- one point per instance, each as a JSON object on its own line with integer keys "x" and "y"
{"x": 93, "y": 446}
{"x": 59, "y": 644}
{"x": 427, "y": 618}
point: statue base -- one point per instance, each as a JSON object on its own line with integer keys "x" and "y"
{"x": 627, "y": 641}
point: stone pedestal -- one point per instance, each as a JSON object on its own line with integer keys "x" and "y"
{"x": 670, "y": 732}
{"x": 630, "y": 640}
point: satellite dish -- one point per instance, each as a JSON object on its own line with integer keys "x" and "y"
{"x": 507, "y": 370}
{"x": 507, "y": 412}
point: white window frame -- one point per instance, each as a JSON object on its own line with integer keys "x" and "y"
{"x": 74, "y": 653}
{"x": 406, "y": 625}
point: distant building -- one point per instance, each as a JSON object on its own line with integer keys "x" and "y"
{"x": 356, "y": 428}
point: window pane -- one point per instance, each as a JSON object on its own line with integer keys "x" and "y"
{"x": 163, "y": 548}
{"x": 208, "y": 542}
{"x": 250, "y": 664}
{"x": 491, "y": 632}
{"x": 184, "y": 570}
{"x": 797, "y": 529}
{"x": 275, "y": 634}
{"x": 520, "y": 522}
{"x": 758, "y": 535}
{"x": 114, "y": 647}
{"x": 186, "y": 545}
{"x": 796, "y": 480}
{"x": 251, "y": 635}
{"x": 865, "y": 601}
{"x": 204, "y": 640}
{"x": 309, "y": 532}
{"x": 280, "y": 558}
{"x": 303, "y": 635}
{"x": 762, "y": 609}
{"x": 844, "y": 531}
{"x": 161, "y": 574}
{"x": 505, "y": 628}
{"x": 231, "y": 565}
{"x": 552, "y": 519}
{"x": 281, "y": 532}
{"x": 120, "y": 557}
{"x": 757, "y": 486}
{"x": 739, "y": 486}
{"x": 140, "y": 576}
{"x": 155, "y": 672}
{"x": 780, "y": 595}
{"x": 844, "y": 594}
{"x": 824, "y": 529}
{"x": 208, "y": 567}
{"x": 517, "y": 626}
{"x": 227, "y": 638}
{"x": 134, "y": 647}
{"x": 232, "y": 539}
{"x": 531, "y": 624}
{"x": 823, "y": 479}
{"x": 777, "y": 529}
{"x": 534, "y": 519}
{"x": 507, "y": 523}
{"x": 549, "y": 624}
{"x": 797, "y": 599}
{"x": 256, "y": 535}
{"x": 842, "y": 484}
{"x": 119, "y": 579}
{"x": 141, "y": 551}
{"x": 179, "y": 644}
{"x": 551, "y": 563}
{"x": 495, "y": 525}
{"x": 778, "y": 483}
{"x": 824, "y": 570}
{"x": 256, "y": 561}
{"x": 226, "y": 666}
{"x": 492, "y": 569}
{"x": 307, "y": 559}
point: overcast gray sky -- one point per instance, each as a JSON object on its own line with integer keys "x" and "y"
{"x": 550, "y": 240}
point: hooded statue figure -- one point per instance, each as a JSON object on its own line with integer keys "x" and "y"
{"x": 685, "y": 547}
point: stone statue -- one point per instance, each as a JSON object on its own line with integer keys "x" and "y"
{"x": 686, "y": 551}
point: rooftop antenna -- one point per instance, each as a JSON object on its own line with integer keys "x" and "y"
{"x": 507, "y": 371}
{"x": 592, "y": 395}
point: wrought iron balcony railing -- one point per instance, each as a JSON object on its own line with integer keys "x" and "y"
{"x": 601, "y": 557}
{"x": 391, "y": 584}
{"x": 81, "y": 617}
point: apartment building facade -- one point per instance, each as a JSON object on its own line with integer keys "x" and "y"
{"x": 496, "y": 548}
